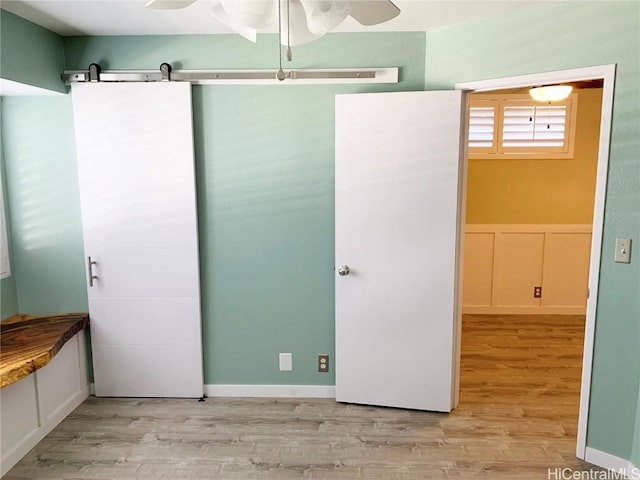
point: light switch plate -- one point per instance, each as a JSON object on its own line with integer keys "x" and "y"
{"x": 623, "y": 250}
{"x": 286, "y": 362}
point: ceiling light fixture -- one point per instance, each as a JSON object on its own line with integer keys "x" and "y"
{"x": 550, "y": 93}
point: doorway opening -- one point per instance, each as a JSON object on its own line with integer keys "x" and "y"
{"x": 532, "y": 252}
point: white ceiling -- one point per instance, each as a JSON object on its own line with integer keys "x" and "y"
{"x": 130, "y": 17}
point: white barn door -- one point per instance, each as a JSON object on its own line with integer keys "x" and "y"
{"x": 137, "y": 186}
{"x": 398, "y": 213}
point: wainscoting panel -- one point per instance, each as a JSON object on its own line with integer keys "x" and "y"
{"x": 478, "y": 268}
{"x": 519, "y": 268}
{"x": 503, "y": 264}
{"x": 566, "y": 269}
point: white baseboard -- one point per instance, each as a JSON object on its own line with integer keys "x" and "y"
{"x": 611, "y": 462}
{"x": 503, "y": 310}
{"x": 266, "y": 391}
{"x": 271, "y": 391}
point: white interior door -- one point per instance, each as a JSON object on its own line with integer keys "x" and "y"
{"x": 398, "y": 213}
{"x": 136, "y": 170}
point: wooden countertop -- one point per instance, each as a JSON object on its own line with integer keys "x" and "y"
{"x": 29, "y": 342}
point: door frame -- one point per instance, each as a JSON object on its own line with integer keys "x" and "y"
{"x": 607, "y": 74}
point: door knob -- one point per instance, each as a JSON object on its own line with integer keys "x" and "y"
{"x": 343, "y": 270}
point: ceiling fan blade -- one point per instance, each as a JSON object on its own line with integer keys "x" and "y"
{"x": 296, "y": 31}
{"x": 220, "y": 14}
{"x": 323, "y": 16}
{"x": 373, "y": 12}
{"x": 169, "y": 4}
{"x": 252, "y": 13}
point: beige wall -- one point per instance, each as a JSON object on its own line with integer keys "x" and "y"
{"x": 537, "y": 191}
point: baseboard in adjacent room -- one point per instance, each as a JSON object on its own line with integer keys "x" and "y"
{"x": 508, "y": 310}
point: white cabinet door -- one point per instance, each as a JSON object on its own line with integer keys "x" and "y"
{"x": 398, "y": 213}
{"x": 136, "y": 170}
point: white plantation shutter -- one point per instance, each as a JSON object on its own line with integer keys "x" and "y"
{"x": 534, "y": 126}
{"x": 515, "y": 126}
{"x": 481, "y": 127}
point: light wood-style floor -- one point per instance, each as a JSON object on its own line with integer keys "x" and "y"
{"x": 517, "y": 418}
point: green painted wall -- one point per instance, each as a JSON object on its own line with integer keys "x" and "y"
{"x": 635, "y": 451}
{"x": 8, "y": 292}
{"x": 9, "y": 298}
{"x": 571, "y": 35}
{"x": 44, "y": 204}
{"x": 30, "y": 54}
{"x": 265, "y": 176}
{"x": 405, "y": 50}
{"x": 264, "y": 159}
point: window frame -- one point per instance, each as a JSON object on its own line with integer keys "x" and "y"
{"x": 499, "y": 152}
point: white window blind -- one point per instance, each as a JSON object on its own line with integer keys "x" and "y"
{"x": 514, "y": 126}
{"x": 534, "y": 126}
{"x": 481, "y": 127}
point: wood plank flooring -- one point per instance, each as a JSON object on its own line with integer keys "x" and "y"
{"x": 520, "y": 380}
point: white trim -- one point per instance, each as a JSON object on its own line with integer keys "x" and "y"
{"x": 271, "y": 391}
{"x": 234, "y": 77}
{"x": 573, "y": 75}
{"x": 611, "y": 462}
{"x": 516, "y": 310}
{"x": 463, "y": 165}
{"x": 383, "y": 75}
{"x": 607, "y": 73}
{"x": 264, "y": 391}
{"x": 528, "y": 228}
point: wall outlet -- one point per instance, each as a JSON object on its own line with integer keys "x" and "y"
{"x": 323, "y": 363}
{"x": 537, "y": 292}
{"x": 286, "y": 362}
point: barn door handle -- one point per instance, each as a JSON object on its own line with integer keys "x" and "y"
{"x": 92, "y": 277}
{"x": 343, "y": 270}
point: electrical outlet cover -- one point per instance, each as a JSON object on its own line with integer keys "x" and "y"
{"x": 286, "y": 362}
{"x": 323, "y": 363}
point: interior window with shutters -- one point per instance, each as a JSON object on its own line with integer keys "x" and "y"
{"x": 515, "y": 126}
{"x": 482, "y": 117}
